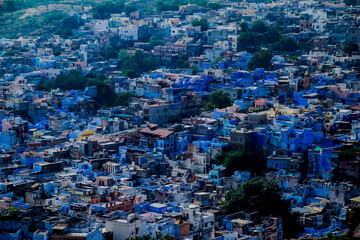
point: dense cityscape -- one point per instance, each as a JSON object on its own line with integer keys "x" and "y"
{"x": 179, "y": 119}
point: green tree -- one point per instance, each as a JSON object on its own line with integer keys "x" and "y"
{"x": 351, "y": 2}
{"x": 202, "y": 22}
{"x": 131, "y": 74}
{"x": 167, "y": 6}
{"x": 232, "y": 158}
{"x": 347, "y": 155}
{"x": 104, "y": 10}
{"x": 138, "y": 62}
{"x": 69, "y": 22}
{"x": 215, "y": 61}
{"x": 57, "y": 52}
{"x": 329, "y": 236}
{"x": 94, "y": 79}
{"x": 183, "y": 61}
{"x": 258, "y": 195}
{"x": 173, "y": 5}
{"x": 9, "y": 53}
{"x": 219, "y": 158}
{"x": 272, "y": 35}
{"x": 125, "y": 59}
{"x": 155, "y": 42}
{"x": 9, "y": 5}
{"x": 72, "y": 81}
{"x": 350, "y": 47}
{"x": 218, "y": 99}
{"x": 66, "y": 25}
{"x": 246, "y": 41}
{"x": 244, "y": 27}
{"x": 106, "y": 97}
{"x": 258, "y": 26}
{"x": 111, "y": 52}
{"x": 228, "y": 70}
{"x": 168, "y": 237}
{"x": 260, "y": 59}
{"x": 147, "y": 237}
{"x": 195, "y": 70}
{"x": 53, "y": 17}
{"x": 129, "y": 8}
{"x": 158, "y": 236}
{"x": 12, "y": 210}
{"x": 214, "y": 5}
{"x": 287, "y": 44}
{"x": 252, "y": 159}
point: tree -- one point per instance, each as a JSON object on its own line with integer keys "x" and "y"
{"x": 124, "y": 59}
{"x": 9, "y": 53}
{"x": 66, "y": 25}
{"x": 123, "y": 99}
{"x": 213, "y": 5}
{"x": 252, "y": 158}
{"x": 216, "y": 61}
{"x": 44, "y": 86}
{"x": 155, "y": 42}
{"x": 69, "y": 22}
{"x": 132, "y": 74}
{"x": 129, "y": 8}
{"x": 347, "y": 154}
{"x": 183, "y": 61}
{"x": 258, "y": 26}
{"x": 234, "y": 158}
{"x": 244, "y": 27}
{"x": 110, "y": 52}
{"x": 219, "y": 158}
{"x": 218, "y": 99}
{"x": 202, "y": 22}
{"x": 351, "y": 2}
{"x": 168, "y": 237}
{"x": 272, "y": 35}
{"x": 9, "y": 5}
{"x": 72, "y": 81}
{"x": 287, "y": 44}
{"x": 194, "y": 70}
{"x": 350, "y": 47}
{"x": 246, "y": 41}
{"x": 104, "y": 10}
{"x": 260, "y": 59}
{"x": 12, "y": 210}
{"x": 228, "y": 70}
{"x": 258, "y": 195}
{"x": 173, "y": 5}
{"x": 167, "y": 6}
{"x": 57, "y": 52}
{"x": 138, "y": 62}
{"x": 76, "y": 81}
{"x": 329, "y": 236}
{"x": 95, "y": 79}
{"x": 106, "y": 97}
{"x": 53, "y": 17}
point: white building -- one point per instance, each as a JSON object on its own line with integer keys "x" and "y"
{"x": 124, "y": 227}
{"x": 100, "y": 25}
{"x": 202, "y": 222}
{"x": 129, "y": 33}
